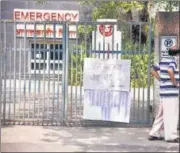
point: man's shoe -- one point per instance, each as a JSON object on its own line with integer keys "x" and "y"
{"x": 151, "y": 138}
{"x": 174, "y": 140}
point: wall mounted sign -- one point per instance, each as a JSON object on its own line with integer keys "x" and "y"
{"x": 167, "y": 42}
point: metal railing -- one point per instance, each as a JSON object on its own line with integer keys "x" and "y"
{"x": 43, "y": 84}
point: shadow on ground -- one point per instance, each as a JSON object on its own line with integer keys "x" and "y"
{"x": 74, "y": 139}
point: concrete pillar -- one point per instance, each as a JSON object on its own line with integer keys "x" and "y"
{"x": 167, "y": 24}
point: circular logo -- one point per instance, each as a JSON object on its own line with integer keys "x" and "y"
{"x": 106, "y": 30}
{"x": 168, "y": 43}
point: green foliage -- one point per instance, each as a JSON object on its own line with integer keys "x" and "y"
{"x": 111, "y": 9}
{"x": 76, "y": 61}
{"x": 137, "y": 53}
{"x": 78, "y": 53}
{"x": 139, "y": 64}
{"x": 167, "y": 5}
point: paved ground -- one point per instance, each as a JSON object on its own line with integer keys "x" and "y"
{"x": 76, "y": 139}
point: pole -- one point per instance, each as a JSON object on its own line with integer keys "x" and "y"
{"x": 0, "y": 78}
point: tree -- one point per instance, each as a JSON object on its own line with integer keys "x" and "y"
{"x": 111, "y": 9}
{"x": 120, "y": 10}
{"x": 168, "y": 6}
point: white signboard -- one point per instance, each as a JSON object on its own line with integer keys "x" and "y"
{"x": 106, "y": 37}
{"x": 42, "y": 30}
{"x": 102, "y": 74}
{"x": 166, "y": 43}
{"x": 106, "y": 90}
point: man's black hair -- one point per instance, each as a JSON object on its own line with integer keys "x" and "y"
{"x": 173, "y": 52}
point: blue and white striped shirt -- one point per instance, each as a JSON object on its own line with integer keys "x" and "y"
{"x": 167, "y": 89}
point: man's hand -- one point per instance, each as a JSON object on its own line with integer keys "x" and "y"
{"x": 172, "y": 77}
{"x": 176, "y": 84}
{"x": 156, "y": 74}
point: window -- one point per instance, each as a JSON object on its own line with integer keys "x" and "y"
{"x": 46, "y": 58}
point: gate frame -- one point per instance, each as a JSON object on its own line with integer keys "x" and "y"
{"x": 65, "y": 74}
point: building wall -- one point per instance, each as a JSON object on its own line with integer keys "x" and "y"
{"x": 21, "y": 44}
{"x": 9, "y": 6}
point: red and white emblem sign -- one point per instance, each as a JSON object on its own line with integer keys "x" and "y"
{"x": 106, "y": 30}
{"x": 107, "y": 37}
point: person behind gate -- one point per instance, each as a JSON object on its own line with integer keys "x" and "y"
{"x": 168, "y": 114}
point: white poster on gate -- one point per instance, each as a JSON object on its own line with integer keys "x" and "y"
{"x": 106, "y": 90}
{"x": 102, "y": 74}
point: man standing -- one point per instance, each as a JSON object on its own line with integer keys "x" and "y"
{"x": 168, "y": 114}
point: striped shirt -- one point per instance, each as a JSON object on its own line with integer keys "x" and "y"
{"x": 167, "y": 89}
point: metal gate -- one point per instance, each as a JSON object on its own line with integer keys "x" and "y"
{"x": 42, "y": 69}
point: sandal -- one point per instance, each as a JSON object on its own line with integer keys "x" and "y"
{"x": 151, "y": 138}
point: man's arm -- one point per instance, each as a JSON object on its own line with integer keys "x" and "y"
{"x": 171, "y": 69}
{"x": 155, "y": 74}
{"x": 172, "y": 77}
